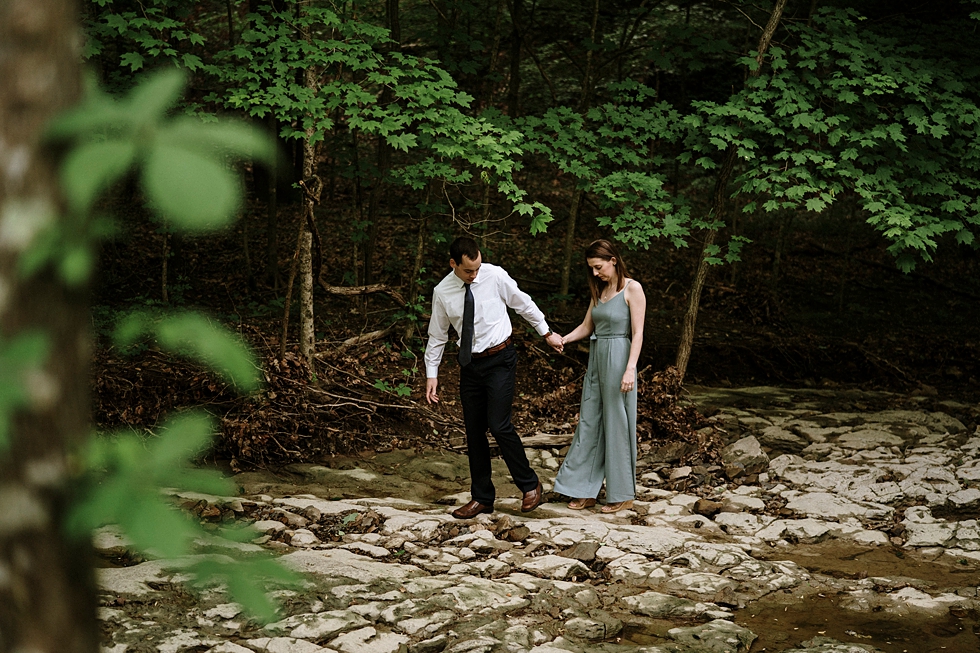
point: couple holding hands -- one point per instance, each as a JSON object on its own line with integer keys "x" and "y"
{"x": 474, "y": 298}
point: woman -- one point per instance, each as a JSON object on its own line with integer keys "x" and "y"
{"x": 604, "y": 446}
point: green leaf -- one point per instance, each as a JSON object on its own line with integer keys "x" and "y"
{"x": 222, "y": 138}
{"x": 91, "y": 168}
{"x": 246, "y": 580}
{"x": 192, "y": 190}
{"x": 182, "y": 439}
{"x": 134, "y": 60}
{"x": 155, "y": 526}
{"x": 77, "y": 263}
{"x": 148, "y": 102}
{"x": 194, "y": 336}
{"x": 191, "y": 61}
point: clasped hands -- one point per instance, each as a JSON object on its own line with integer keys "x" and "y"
{"x": 556, "y": 341}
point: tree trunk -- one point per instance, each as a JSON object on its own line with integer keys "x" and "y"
{"x": 47, "y": 593}
{"x": 164, "y": 293}
{"x": 384, "y": 155}
{"x": 777, "y": 259}
{"x": 585, "y": 102}
{"x": 306, "y": 337}
{"x": 489, "y": 84}
{"x": 566, "y": 266}
{"x": 272, "y": 218}
{"x": 306, "y": 344}
{"x": 514, "y": 84}
{"x": 718, "y": 211}
{"x": 413, "y": 287}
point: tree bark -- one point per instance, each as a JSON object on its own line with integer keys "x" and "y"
{"x": 47, "y": 595}
{"x": 718, "y": 210}
{"x": 384, "y": 152}
{"x": 413, "y": 286}
{"x": 272, "y": 217}
{"x": 311, "y": 182}
{"x": 489, "y": 83}
{"x": 306, "y": 344}
{"x": 566, "y": 266}
{"x": 514, "y": 84}
{"x": 307, "y": 338}
{"x": 585, "y": 102}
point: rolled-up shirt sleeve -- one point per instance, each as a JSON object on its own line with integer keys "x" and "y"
{"x": 522, "y": 303}
{"x": 438, "y": 336}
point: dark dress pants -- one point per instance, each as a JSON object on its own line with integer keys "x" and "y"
{"x": 486, "y": 389}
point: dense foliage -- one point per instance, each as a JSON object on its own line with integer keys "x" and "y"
{"x": 507, "y": 119}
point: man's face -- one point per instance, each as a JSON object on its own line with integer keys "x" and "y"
{"x": 468, "y": 269}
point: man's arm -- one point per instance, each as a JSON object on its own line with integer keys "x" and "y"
{"x": 434, "y": 347}
{"x": 522, "y": 303}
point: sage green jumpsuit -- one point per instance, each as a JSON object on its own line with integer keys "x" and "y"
{"x": 604, "y": 445}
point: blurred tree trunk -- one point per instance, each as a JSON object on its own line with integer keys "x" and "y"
{"x": 47, "y": 595}
{"x": 718, "y": 210}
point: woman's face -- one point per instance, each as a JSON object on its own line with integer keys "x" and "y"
{"x": 602, "y": 268}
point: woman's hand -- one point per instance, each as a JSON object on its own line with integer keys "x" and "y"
{"x": 629, "y": 380}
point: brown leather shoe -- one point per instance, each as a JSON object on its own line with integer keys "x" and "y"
{"x": 532, "y": 498}
{"x": 471, "y": 510}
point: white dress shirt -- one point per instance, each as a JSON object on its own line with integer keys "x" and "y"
{"x": 493, "y": 291}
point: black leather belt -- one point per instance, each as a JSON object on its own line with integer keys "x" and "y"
{"x": 496, "y": 349}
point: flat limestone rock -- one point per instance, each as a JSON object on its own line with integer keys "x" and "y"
{"x": 869, "y": 439}
{"x": 473, "y": 594}
{"x": 831, "y": 506}
{"x": 325, "y": 507}
{"x": 718, "y": 636}
{"x": 701, "y": 582}
{"x": 138, "y": 579}
{"x": 284, "y": 645}
{"x": 340, "y": 563}
{"x": 318, "y": 625}
{"x": 658, "y": 542}
{"x": 829, "y": 645}
{"x": 368, "y": 640}
{"x": 655, "y": 604}
{"x": 553, "y": 566}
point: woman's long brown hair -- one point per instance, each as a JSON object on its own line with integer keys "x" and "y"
{"x": 606, "y": 251}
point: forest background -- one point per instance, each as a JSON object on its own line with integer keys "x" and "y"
{"x": 818, "y": 159}
{"x": 794, "y": 183}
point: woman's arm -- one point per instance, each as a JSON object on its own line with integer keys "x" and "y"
{"x": 583, "y": 330}
{"x": 637, "y": 303}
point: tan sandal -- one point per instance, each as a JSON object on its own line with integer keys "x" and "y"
{"x": 616, "y": 507}
{"x": 579, "y": 504}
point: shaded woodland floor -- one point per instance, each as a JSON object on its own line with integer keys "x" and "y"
{"x": 839, "y": 314}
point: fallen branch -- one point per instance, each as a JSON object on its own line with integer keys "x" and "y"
{"x": 354, "y": 291}
{"x": 361, "y": 339}
{"x": 547, "y": 440}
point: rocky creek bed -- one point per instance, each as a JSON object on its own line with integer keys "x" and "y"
{"x": 834, "y": 525}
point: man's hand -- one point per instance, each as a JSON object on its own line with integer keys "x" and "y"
{"x": 430, "y": 390}
{"x": 555, "y": 341}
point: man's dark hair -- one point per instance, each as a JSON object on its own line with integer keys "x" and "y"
{"x": 463, "y": 246}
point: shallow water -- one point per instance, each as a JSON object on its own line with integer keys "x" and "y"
{"x": 782, "y": 621}
{"x": 780, "y": 627}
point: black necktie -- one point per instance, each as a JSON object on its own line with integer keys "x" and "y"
{"x": 466, "y": 340}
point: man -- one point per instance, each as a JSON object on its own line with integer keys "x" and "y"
{"x": 473, "y": 298}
